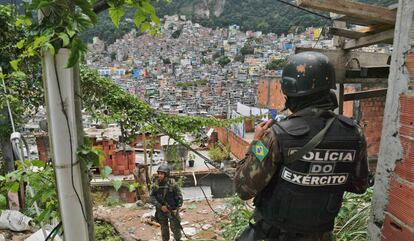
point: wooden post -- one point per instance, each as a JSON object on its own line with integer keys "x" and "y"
{"x": 360, "y": 11}
{"x": 341, "y": 99}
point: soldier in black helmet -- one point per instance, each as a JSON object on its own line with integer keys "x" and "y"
{"x": 167, "y": 199}
{"x": 297, "y": 170}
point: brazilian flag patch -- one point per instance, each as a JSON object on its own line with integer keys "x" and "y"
{"x": 260, "y": 150}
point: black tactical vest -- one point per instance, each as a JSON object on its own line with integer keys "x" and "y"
{"x": 306, "y": 195}
{"x": 166, "y": 194}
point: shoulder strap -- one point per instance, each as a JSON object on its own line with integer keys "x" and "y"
{"x": 315, "y": 141}
{"x": 165, "y": 192}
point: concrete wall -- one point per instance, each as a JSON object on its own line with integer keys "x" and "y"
{"x": 399, "y": 215}
{"x": 392, "y": 204}
{"x": 221, "y": 185}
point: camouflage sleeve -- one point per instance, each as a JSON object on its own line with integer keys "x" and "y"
{"x": 178, "y": 196}
{"x": 358, "y": 182}
{"x": 253, "y": 174}
{"x": 153, "y": 197}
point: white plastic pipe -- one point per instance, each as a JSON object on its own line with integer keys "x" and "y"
{"x": 74, "y": 223}
{"x": 17, "y": 145}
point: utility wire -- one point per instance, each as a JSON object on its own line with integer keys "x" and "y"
{"x": 7, "y": 101}
{"x": 322, "y": 32}
{"x": 53, "y": 231}
{"x": 206, "y": 159}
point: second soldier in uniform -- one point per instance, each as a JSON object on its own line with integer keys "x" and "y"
{"x": 167, "y": 199}
{"x": 297, "y": 170}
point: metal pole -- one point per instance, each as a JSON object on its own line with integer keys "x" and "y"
{"x": 7, "y": 101}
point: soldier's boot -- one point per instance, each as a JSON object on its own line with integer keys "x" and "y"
{"x": 176, "y": 227}
{"x": 165, "y": 230}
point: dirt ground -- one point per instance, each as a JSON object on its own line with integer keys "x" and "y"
{"x": 135, "y": 224}
{"x": 198, "y": 220}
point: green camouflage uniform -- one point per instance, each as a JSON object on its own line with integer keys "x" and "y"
{"x": 253, "y": 175}
{"x": 167, "y": 194}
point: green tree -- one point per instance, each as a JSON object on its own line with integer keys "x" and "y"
{"x": 223, "y": 61}
{"x": 247, "y": 49}
{"x": 23, "y": 89}
{"x": 276, "y": 64}
{"x": 113, "y": 56}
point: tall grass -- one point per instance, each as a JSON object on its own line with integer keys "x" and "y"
{"x": 352, "y": 221}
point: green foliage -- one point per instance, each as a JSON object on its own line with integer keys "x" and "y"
{"x": 113, "y": 56}
{"x": 350, "y": 224}
{"x": 117, "y": 184}
{"x": 42, "y": 180}
{"x": 107, "y": 32}
{"x": 112, "y": 202}
{"x": 192, "y": 83}
{"x": 105, "y": 172}
{"x": 99, "y": 197}
{"x": 247, "y": 49}
{"x": 352, "y": 220}
{"x": 257, "y": 15}
{"x": 109, "y": 103}
{"x": 92, "y": 156}
{"x": 218, "y": 154}
{"x": 105, "y": 232}
{"x": 23, "y": 89}
{"x": 239, "y": 217}
{"x": 116, "y": 13}
{"x": 191, "y": 206}
{"x": 223, "y": 61}
{"x": 181, "y": 180}
{"x": 276, "y": 64}
{"x": 63, "y": 21}
{"x": 3, "y": 202}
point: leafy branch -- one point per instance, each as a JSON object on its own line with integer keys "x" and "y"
{"x": 109, "y": 103}
{"x": 63, "y": 20}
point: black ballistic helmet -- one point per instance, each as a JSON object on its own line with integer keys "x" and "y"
{"x": 307, "y": 73}
{"x": 165, "y": 169}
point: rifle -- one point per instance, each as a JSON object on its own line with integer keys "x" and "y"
{"x": 171, "y": 215}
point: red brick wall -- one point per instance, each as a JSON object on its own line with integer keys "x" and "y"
{"x": 140, "y": 137}
{"x": 372, "y": 113}
{"x": 399, "y": 221}
{"x": 349, "y": 105}
{"x": 126, "y": 196}
{"x": 394, "y": 231}
{"x": 249, "y": 125}
{"x": 122, "y": 162}
{"x": 42, "y": 142}
{"x": 238, "y": 145}
{"x": 269, "y": 94}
